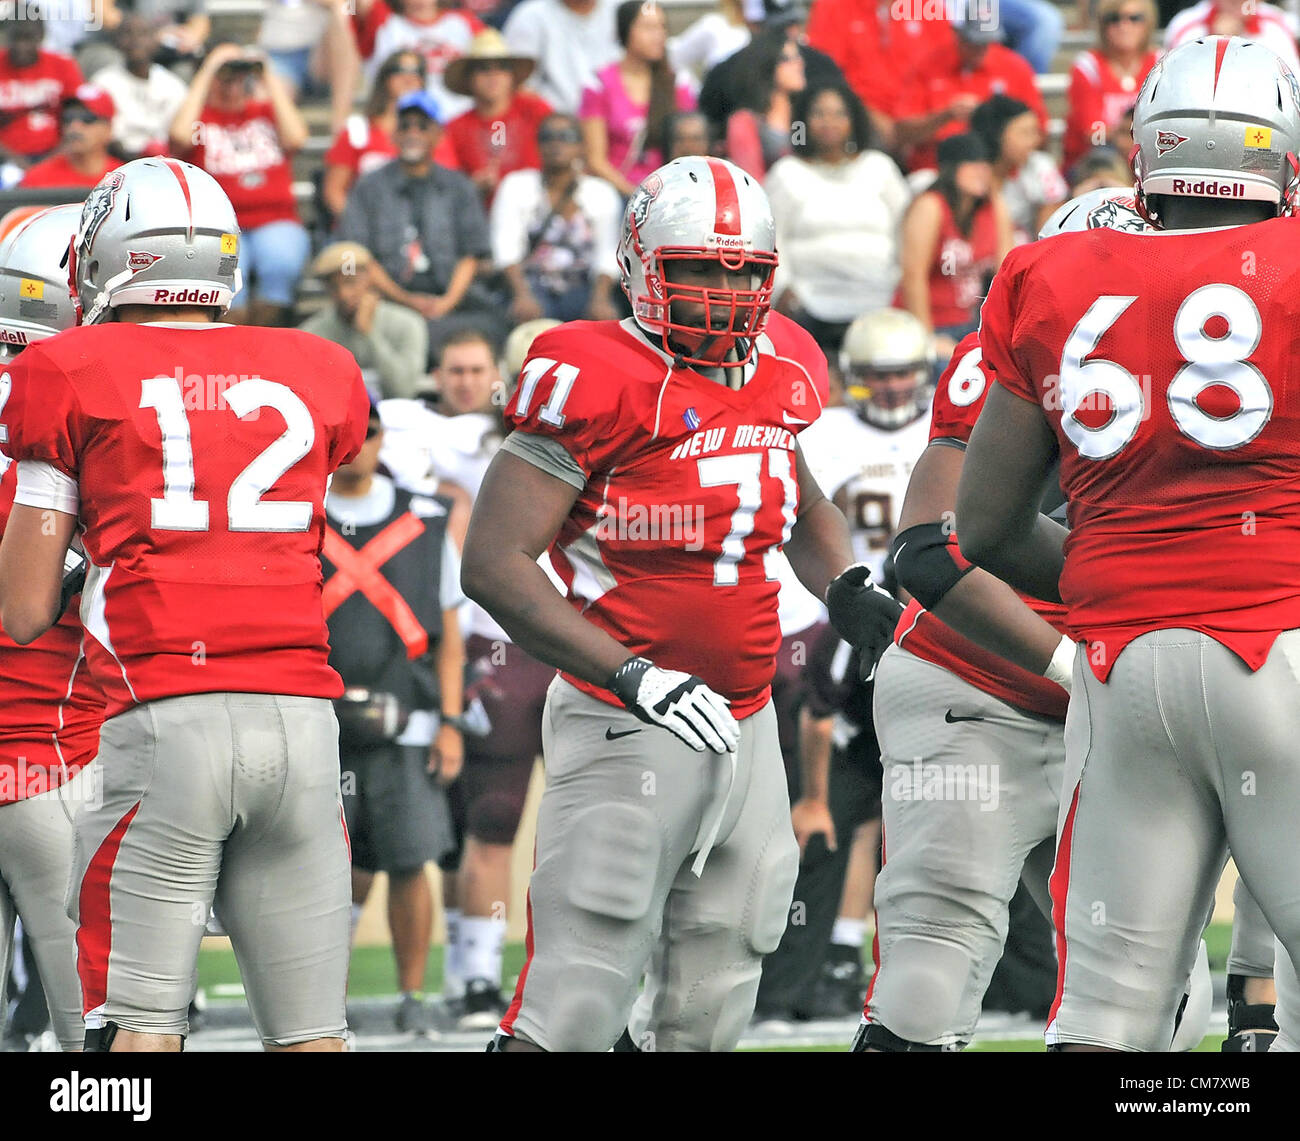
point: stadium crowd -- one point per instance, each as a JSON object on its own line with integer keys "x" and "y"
{"x": 471, "y": 194}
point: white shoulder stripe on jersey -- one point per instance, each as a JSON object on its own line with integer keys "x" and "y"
{"x": 94, "y": 619}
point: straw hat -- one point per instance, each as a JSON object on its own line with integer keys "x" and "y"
{"x": 488, "y": 44}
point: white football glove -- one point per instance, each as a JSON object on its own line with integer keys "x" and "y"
{"x": 680, "y": 702}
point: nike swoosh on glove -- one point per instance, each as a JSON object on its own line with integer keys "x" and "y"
{"x": 680, "y": 702}
{"x": 863, "y": 614}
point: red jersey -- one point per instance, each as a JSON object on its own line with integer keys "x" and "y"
{"x": 58, "y": 171}
{"x": 691, "y": 491}
{"x": 511, "y": 139}
{"x": 31, "y": 99}
{"x": 1166, "y": 367}
{"x": 960, "y": 265}
{"x": 203, "y": 527}
{"x": 241, "y": 150}
{"x": 958, "y": 399}
{"x": 1098, "y": 100}
{"x": 50, "y": 710}
{"x": 940, "y": 78}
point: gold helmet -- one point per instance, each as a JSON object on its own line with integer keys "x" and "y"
{"x": 886, "y": 361}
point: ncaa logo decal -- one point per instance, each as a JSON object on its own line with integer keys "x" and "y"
{"x": 136, "y": 260}
{"x": 1167, "y": 140}
{"x": 99, "y": 205}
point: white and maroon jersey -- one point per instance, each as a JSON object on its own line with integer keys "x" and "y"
{"x": 691, "y": 490}
{"x": 865, "y": 470}
{"x": 50, "y": 709}
{"x": 197, "y": 458}
{"x": 445, "y": 38}
{"x": 1165, "y": 365}
{"x": 958, "y": 400}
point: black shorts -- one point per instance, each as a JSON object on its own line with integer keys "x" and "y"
{"x": 396, "y": 812}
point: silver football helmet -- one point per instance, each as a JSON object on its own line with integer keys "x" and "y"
{"x": 691, "y": 209}
{"x": 1218, "y": 118}
{"x": 1108, "y": 207}
{"x": 156, "y": 231}
{"x": 35, "y": 302}
{"x": 886, "y": 361}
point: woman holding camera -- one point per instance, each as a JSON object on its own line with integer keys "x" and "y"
{"x": 240, "y": 125}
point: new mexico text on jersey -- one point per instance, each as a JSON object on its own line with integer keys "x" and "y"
{"x": 691, "y": 492}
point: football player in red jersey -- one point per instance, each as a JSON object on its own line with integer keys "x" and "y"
{"x": 1160, "y": 369}
{"x": 192, "y": 458}
{"x": 50, "y": 710}
{"x": 656, "y": 459}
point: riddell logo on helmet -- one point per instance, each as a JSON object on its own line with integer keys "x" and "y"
{"x": 185, "y": 297}
{"x": 727, "y": 242}
{"x": 12, "y": 337}
{"x": 1211, "y": 189}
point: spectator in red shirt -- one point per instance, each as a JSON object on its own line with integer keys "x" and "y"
{"x": 239, "y": 124}
{"x": 953, "y": 80}
{"x": 83, "y": 157}
{"x": 878, "y": 51}
{"x": 955, "y": 236}
{"x": 1104, "y": 80}
{"x": 499, "y": 134}
{"x": 366, "y": 141}
{"x": 33, "y": 86}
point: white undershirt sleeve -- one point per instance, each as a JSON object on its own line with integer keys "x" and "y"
{"x": 43, "y": 485}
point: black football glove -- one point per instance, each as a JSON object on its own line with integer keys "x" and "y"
{"x": 680, "y": 702}
{"x": 864, "y": 615}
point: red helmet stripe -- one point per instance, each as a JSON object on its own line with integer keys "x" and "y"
{"x": 1220, "y": 49}
{"x": 726, "y": 218}
{"x": 179, "y": 171}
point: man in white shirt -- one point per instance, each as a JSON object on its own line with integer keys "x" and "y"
{"x": 570, "y": 39}
{"x": 145, "y": 94}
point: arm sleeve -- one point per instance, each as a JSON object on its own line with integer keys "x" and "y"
{"x": 43, "y": 485}
{"x": 41, "y": 418}
{"x": 607, "y": 226}
{"x": 449, "y": 592}
{"x": 548, "y": 454}
{"x": 566, "y": 395}
{"x": 997, "y": 336}
{"x": 960, "y": 393}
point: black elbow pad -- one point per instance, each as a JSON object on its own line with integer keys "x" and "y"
{"x": 928, "y": 562}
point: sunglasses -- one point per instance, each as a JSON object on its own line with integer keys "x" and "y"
{"x": 1124, "y": 17}
{"x": 482, "y": 65}
{"x": 79, "y": 117}
{"x": 558, "y": 137}
{"x": 415, "y": 123}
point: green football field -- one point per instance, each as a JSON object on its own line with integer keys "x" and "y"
{"x": 372, "y": 975}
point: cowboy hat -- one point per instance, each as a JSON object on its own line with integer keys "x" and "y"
{"x": 488, "y": 44}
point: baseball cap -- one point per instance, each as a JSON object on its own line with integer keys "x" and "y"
{"x": 420, "y": 101}
{"x": 976, "y": 30}
{"x": 94, "y": 99}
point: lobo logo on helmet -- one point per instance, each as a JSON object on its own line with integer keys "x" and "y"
{"x": 136, "y": 260}
{"x": 1167, "y": 140}
{"x": 99, "y": 205}
{"x": 1117, "y": 214}
{"x": 646, "y": 193}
